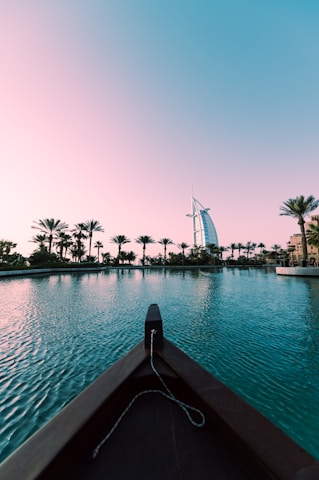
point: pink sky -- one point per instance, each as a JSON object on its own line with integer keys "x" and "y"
{"x": 115, "y": 113}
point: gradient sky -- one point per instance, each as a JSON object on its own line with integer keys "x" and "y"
{"x": 116, "y": 110}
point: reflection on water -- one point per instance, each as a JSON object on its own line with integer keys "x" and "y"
{"x": 257, "y": 332}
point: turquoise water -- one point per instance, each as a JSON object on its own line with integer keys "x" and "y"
{"x": 257, "y": 332}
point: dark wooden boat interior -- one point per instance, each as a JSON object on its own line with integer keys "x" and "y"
{"x": 154, "y": 438}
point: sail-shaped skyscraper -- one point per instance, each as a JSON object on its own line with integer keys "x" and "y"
{"x": 204, "y": 231}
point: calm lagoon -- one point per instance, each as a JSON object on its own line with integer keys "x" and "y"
{"x": 256, "y": 331}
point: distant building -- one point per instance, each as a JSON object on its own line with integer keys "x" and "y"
{"x": 204, "y": 232}
{"x": 295, "y": 244}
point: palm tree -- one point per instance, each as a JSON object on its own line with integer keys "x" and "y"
{"x": 276, "y": 248}
{"x": 50, "y": 227}
{"x": 196, "y": 253}
{"x": 40, "y": 239}
{"x": 106, "y": 258}
{"x": 120, "y": 240}
{"x": 165, "y": 242}
{"x": 262, "y": 251}
{"x": 291, "y": 249}
{"x": 144, "y": 240}
{"x": 183, "y": 247}
{"x": 213, "y": 250}
{"x": 130, "y": 256}
{"x": 262, "y": 246}
{"x": 63, "y": 242}
{"x": 78, "y": 250}
{"x": 240, "y": 247}
{"x": 98, "y": 245}
{"x": 233, "y": 247}
{"x": 79, "y": 235}
{"x": 92, "y": 226}
{"x": 122, "y": 257}
{"x": 250, "y": 246}
{"x": 313, "y": 234}
{"x": 74, "y": 251}
{"x": 220, "y": 252}
{"x": 299, "y": 208}
{"x": 5, "y": 249}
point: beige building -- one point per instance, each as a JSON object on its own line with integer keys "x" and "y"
{"x": 295, "y": 242}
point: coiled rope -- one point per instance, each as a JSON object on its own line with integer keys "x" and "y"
{"x": 168, "y": 394}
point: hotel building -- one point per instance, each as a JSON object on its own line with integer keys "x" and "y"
{"x": 295, "y": 243}
{"x": 204, "y": 231}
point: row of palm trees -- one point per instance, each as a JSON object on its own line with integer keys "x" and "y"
{"x": 53, "y": 232}
{"x": 56, "y": 233}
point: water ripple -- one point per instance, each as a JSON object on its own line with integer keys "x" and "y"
{"x": 256, "y": 332}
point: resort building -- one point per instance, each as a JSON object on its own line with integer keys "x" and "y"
{"x": 204, "y": 232}
{"x": 295, "y": 246}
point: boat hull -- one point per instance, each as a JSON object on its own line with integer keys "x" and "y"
{"x": 154, "y": 438}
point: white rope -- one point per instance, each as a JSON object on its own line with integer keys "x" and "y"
{"x": 172, "y": 397}
{"x": 169, "y": 395}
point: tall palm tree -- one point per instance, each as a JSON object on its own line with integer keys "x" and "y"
{"x": 144, "y": 240}
{"x": 91, "y": 226}
{"x": 50, "y": 227}
{"x": 120, "y": 240}
{"x": 299, "y": 208}
{"x": 165, "y": 242}
{"x": 98, "y": 245}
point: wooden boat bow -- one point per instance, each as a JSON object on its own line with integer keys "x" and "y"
{"x": 155, "y": 440}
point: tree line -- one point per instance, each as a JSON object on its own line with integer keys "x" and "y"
{"x": 70, "y": 246}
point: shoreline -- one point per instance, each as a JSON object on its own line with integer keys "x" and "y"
{"x": 39, "y": 271}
